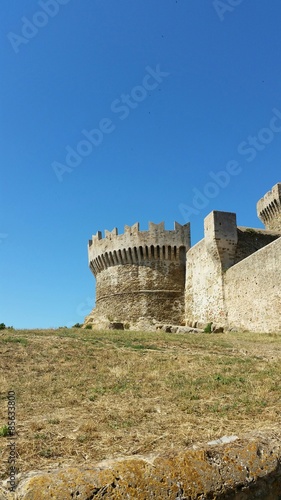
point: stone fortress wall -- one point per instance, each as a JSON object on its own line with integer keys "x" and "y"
{"x": 253, "y": 291}
{"x": 231, "y": 278}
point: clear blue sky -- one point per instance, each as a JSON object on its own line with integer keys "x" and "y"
{"x": 175, "y": 89}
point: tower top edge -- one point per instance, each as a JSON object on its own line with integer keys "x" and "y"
{"x": 154, "y": 229}
{"x": 274, "y": 194}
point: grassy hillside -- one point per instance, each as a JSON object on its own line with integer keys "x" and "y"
{"x": 83, "y": 396}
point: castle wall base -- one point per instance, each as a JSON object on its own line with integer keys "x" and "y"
{"x": 154, "y": 290}
{"x": 253, "y": 291}
{"x": 204, "y": 296}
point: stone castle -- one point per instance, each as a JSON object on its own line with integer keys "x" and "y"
{"x": 231, "y": 278}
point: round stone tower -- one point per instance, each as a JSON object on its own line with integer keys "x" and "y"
{"x": 269, "y": 209}
{"x": 139, "y": 274}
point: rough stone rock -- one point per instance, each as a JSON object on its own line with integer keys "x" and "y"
{"x": 158, "y": 327}
{"x": 143, "y": 324}
{"x": 188, "y": 329}
{"x": 218, "y": 329}
{"x": 177, "y": 329}
{"x": 242, "y": 470}
{"x": 116, "y": 326}
{"x": 168, "y": 328}
{"x": 223, "y": 439}
{"x": 200, "y": 324}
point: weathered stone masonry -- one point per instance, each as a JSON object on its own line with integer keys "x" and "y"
{"x": 269, "y": 209}
{"x": 139, "y": 273}
{"x": 231, "y": 278}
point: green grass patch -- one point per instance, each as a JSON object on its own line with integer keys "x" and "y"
{"x": 15, "y": 340}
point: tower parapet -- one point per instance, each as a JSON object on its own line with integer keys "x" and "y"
{"x": 137, "y": 247}
{"x": 140, "y": 273}
{"x": 269, "y": 209}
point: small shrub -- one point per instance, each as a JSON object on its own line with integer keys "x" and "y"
{"x": 47, "y": 453}
{"x": 208, "y": 328}
{"x": 88, "y": 327}
{"x": 82, "y": 438}
{"x": 54, "y": 421}
{"x": 4, "y": 327}
{"x": 16, "y": 340}
{"x": 4, "y": 431}
{"x": 40, "y": 436}
{"x": 77, "y": 325}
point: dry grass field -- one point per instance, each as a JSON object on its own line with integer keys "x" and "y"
{"x": 83, "y": 396}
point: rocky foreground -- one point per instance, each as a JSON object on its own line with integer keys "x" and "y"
{"x": 230, "y": 468}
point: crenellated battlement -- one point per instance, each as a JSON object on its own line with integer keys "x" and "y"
{"x": 180, "y": 231}
{"x": 269, "y": 209}
{"x": 135, "y": 246}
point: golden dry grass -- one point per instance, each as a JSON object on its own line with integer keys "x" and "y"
{"x": 83, "y": 396}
